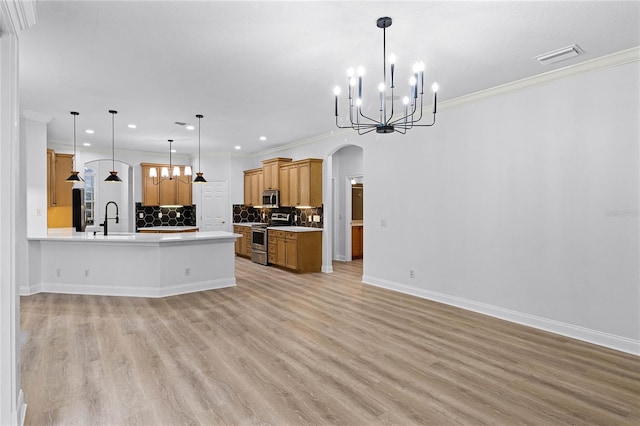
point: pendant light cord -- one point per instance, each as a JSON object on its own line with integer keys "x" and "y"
{"x": 199, "y": 168}
{"x": 74, "y": 141}
{"x": 113, "y": 142}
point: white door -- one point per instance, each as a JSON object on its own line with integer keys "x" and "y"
{"x": 214, "y": 210}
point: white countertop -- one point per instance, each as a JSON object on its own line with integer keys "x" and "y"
{"x": 294, "y": 228}
{"x": 69, "y": 235}
{"x": 168, "y": 228}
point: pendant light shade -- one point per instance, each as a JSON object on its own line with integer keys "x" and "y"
{"x": 199, "y": 178}
{"x": 74, "y": 174}
{"x": 113, "y": 174}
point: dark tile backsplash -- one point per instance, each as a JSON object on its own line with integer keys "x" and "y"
{"x": 171, "y": 216}
{"x": 242, "y": 213}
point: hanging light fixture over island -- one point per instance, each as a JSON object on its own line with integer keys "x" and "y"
{"x": 199, "y": 178}
{"x": 73, "y": 177}
{"x": 113, "y": 174}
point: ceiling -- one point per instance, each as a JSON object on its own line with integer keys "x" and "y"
{"x": 268, "y": 68}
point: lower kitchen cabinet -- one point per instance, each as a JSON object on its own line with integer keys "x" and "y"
{"x": 298, "y": 251}
{"x": 356, "y": 241}
{"x": 243, "y": 245}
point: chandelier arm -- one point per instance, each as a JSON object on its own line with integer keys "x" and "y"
{"x": 369, "y": 118}
{"x": 342, "y": 127}
{"x": 427, "y": 125}
{"x": 406, "y": 116}
{"x": 395, "y": 129}
{"x": 364, "y": 133}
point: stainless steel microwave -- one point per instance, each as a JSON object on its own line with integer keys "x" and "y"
{"x": 271, "y": 199}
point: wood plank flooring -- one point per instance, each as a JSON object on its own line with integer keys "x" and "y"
{"x": 313, "y": 349}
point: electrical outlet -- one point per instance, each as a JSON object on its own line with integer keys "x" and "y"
{"x": 177, "y": 214}
{"x": 383, "y": 223}
{"x": 316, "y": 218}
{"x": 141, "y": 215}
{"x": 38, "y": 212}
{"x": 86, "y": 272}
{"x": 159, "y": 215}
{"x": 58, "y": 273}
{"x": 412, "y": 273}
{"x": 187, "y": 272}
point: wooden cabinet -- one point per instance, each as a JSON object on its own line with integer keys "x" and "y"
{"x": 157, "y": 191}
{"x": 59, "y": 166}
{"x": 298, "y": 251}
{"x": 301, "y": 183}
{"x": 253, "y": 187}
{"x": 59, "y": 191}
{"x": 243, "y": 245}
{"x": 357, "y": 247}
{"x": 271, "y": 171}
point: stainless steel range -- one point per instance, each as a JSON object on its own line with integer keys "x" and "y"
{"x": 259, "y": 236}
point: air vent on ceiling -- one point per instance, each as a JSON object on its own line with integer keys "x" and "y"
{"x": 559, "y": 54}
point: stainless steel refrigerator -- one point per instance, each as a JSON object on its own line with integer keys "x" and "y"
{"x": 79, "y": 213}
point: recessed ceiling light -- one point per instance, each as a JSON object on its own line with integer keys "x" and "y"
{"x": 132, "y": 126}
{"x": 86, "y": 144}
{"x": 89, "y": 131}
{"x": 263, "y": 138}
{"x": 238, "y": 147}
{"x": 559, "y": 54}
{"x": 190, "y": 127}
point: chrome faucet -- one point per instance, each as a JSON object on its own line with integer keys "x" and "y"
{"x": 106, "y": 217}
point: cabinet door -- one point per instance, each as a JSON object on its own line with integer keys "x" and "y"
{"x": 51, "y": 177}
{"x": 238, "y": 245}
{"x": 63, "y": 167}
{"x": 271, "y": 178}
{"x": 183, "y": 187}
{"x": 150, "y": 188}
{"x": 284, "y": 186}
{"x": 167, "y": 192}
{"x": 281, "y": 252}
{"x": 303, "y": 185}
{"x": 356, "y": 241}
{"x": 247, "y": 242}
{"x": 247, "y": 189}
{"x": 257, "y": 196}
{"x": 292, "y": 254}
{"x": 294, "y": 186}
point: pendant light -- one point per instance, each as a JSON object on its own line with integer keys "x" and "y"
{"x": 199, "y": 178}
{"x": 74, "y": 174}
{"x": 113, "y": 176}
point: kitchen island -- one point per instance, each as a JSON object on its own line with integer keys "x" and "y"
{"x": 143, "y": 265}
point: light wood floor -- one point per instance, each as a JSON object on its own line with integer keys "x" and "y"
{"x": 287, "y": 349}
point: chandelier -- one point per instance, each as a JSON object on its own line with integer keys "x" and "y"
{"x": 164, "y": 171}
{"x": 389, "y": 120}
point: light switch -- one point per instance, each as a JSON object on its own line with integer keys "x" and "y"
{"x": 316, "y": 218}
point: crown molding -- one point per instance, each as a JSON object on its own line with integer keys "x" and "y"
{"x": 603, "y": 62}
{"x": 17, "y": 15}
{"x": 597, "y": 64}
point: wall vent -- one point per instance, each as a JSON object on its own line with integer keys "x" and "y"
{"x": 559, "y": 54}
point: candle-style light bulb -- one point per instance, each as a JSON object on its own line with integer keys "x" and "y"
{"x": 421, "y": 71}
{"x": 360, "y": 74}
{"x": 392, "y": 61}
{"x": 352, "y": 85}
{"x": 414, "y": 89}
{"x": 336, "y": 91}
{"x": 435, "y": 88}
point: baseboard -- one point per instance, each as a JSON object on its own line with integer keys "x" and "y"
{"x": 27, "y": 290}
{"x": 133, "y": 291}
{"x": 328, "y": 269}
{"x": 611, "y": 341}
{"x": 21, "y": 409}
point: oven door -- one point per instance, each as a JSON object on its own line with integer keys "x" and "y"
{"x": 259, "y": 239}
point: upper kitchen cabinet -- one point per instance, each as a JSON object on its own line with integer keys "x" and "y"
{"x": 271, "y": 171}
{"x": 301, "y": 183}
{"x": 253, "y": 187}
{"x": 158, "y": 191}
{"x": 59, "y": 191}
{"x": 58, "y": 168}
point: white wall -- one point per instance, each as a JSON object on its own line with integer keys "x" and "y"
{"x": 347, "y": 161}
{"x": 523, "y": 205}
